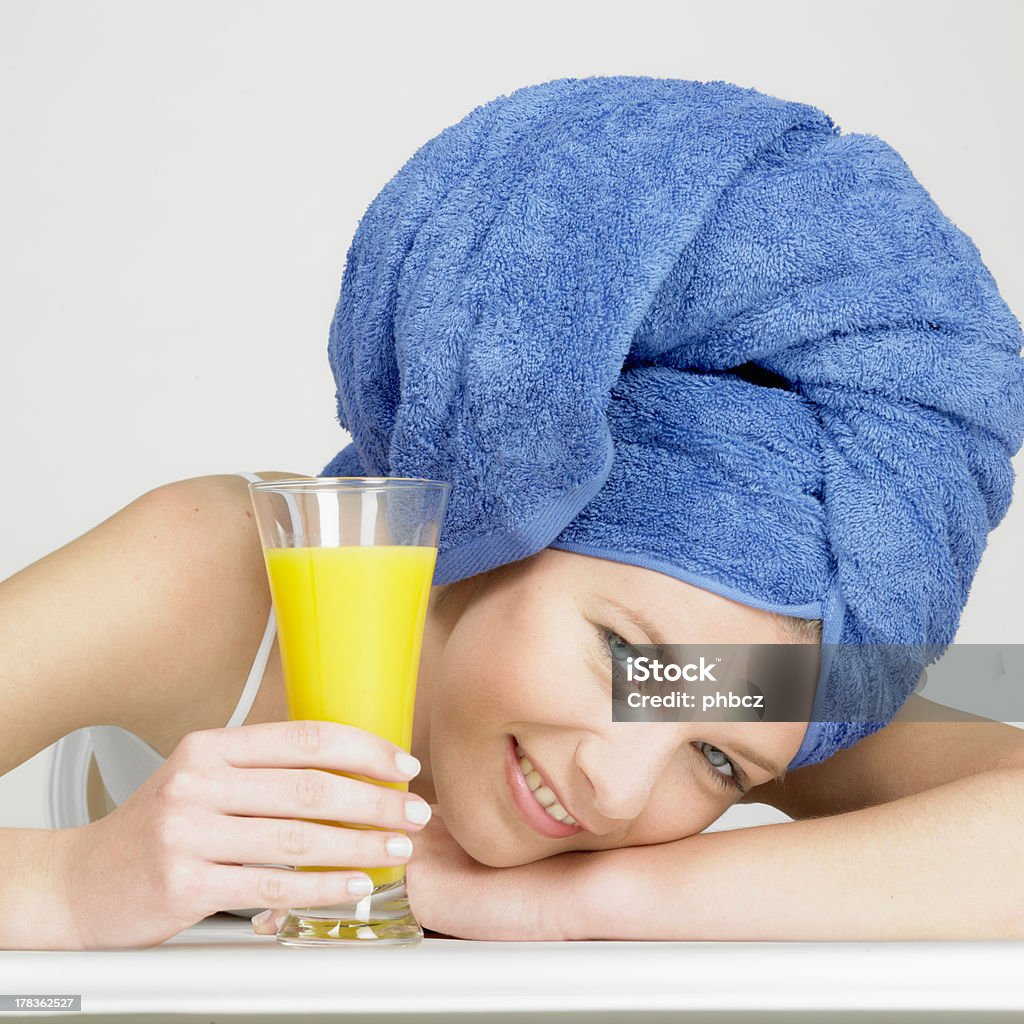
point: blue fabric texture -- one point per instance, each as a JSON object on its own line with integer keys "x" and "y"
{"x": 695, "y": 328}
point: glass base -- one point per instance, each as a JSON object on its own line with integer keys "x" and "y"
{"x": 384, "y": 918}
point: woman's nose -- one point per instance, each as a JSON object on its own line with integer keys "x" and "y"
{"x": 623, "y": 764}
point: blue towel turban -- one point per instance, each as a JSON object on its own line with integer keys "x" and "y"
{"x": 691, "y": 327}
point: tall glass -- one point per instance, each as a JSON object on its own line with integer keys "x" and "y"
{"x": 350, "y": 562}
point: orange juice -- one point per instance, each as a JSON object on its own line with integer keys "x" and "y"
{"x": 350, "y": 627}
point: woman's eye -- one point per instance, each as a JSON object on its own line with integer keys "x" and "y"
{"x": 619, "y": 649}
{"x": 717, "y": 759}
{"x": 614, "y": 648}
{"x": 615, "y": 653}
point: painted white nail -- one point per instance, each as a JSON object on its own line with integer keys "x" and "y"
{"x": 360, "y": 886}
{"x": 417, "y": 811}
{"x": 406, "y": 763}
{"x": 399, "y": 846}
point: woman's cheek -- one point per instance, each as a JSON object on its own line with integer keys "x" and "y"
{"x": 678, "y": 808}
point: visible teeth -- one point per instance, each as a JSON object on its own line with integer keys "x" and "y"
{"x": 545, "y": 797}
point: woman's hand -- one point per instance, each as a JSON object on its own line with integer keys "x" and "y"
{"x": 454, "y": 896}
{"x": 458, "y": 897}
{"x": 204, "y": 832}
{"x": 439, "y": 863}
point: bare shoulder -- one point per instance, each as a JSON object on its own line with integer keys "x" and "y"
{"x": 149, "y": 620}
{"x": 230, "y": 487}
{"x": 926, "y": 745}
{"x": 213, "y": 513}
{"x": 220, "y": 499}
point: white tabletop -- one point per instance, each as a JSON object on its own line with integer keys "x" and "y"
{"x": 221, "y": 967}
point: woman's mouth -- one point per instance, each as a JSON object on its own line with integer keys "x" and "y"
{"x": 537, "y": 804}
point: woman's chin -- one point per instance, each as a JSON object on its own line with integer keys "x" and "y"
{"x": 483, "y": 844}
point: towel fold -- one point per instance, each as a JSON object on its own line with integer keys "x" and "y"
{"x": 695, "y": 328}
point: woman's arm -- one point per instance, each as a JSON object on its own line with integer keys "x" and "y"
{"x": 916, "y": 832}
{"x": 148, "y": 621}
{"x": 34, "y": 908}
{"x": 941, "y": 864}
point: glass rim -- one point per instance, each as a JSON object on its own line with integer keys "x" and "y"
{"x": 379, "y": 483}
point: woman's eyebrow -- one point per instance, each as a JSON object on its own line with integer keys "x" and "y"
{"x": 774, "y": 770}
{"x": 639, "y": 620}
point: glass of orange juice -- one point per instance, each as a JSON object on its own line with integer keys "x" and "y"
{"x": 350, "y": 562}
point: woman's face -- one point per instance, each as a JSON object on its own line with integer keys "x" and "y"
{"x": 523, "y": 660}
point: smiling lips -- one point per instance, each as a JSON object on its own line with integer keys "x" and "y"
{"x": 536, "y": 802}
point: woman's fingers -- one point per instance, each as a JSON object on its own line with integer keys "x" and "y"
{"x": 292, "y": 841}
{"x": 311, "y": 793}
{"x": 301, "y": 744}
{"x": 268, "y": 921}
{"x": 252, "y": 886}
{"x": 230, "y": 814}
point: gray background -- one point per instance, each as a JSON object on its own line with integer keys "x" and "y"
{"x": 180, "y": 183}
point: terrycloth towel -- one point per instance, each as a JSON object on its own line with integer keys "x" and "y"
{"x": 691, "y": 327}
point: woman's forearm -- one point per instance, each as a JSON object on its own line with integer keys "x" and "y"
{"x": 33, "y": 903}
{"x": 941, "y": 864}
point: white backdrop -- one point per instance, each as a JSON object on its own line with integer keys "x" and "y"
{"x": 181, "y": 180}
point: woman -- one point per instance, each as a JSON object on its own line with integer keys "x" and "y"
{"x": 494, "y": 645}
{"x": 687, "y": 355}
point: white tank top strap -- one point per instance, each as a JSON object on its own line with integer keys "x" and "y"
{"x": 252, "y": 684}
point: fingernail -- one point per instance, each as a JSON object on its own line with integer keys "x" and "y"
{"x": 399, "y": 846}
{"x": 417, "y": 811}
{"x": 361, "y": 886}
{"x": 406, "y": 763}
{"x": 263, "y": 916}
